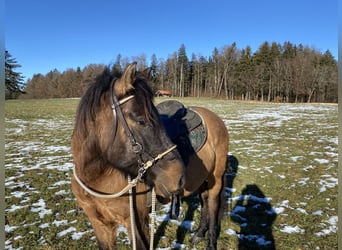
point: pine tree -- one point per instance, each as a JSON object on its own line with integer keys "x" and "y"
{"x": 183, "y": 64}
{"x": 117, "y": 69}
{"x": 154, "y": 74}
{"x": 14, "y": 81}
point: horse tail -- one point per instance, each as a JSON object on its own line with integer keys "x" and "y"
{"x": 232, "y": 164}
{"x": 223, "y": 193}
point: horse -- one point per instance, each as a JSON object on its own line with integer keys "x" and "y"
{"x": 118, "y": 135}
{"x": 205, "y": 168}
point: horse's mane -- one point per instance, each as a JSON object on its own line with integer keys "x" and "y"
{"x": 90, "y": 103}
{"x": 91, "y": 100}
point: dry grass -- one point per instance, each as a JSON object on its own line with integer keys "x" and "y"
{"x": 284, "y": 192}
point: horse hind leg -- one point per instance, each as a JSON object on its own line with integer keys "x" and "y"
{"x": 204, "y": 218}
{"x": 214, "y": 203}
{"x": 208, "y": 221}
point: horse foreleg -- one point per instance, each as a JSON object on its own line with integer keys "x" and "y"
{"x": 105, "y": 232}
{"x": 141, "y": 232}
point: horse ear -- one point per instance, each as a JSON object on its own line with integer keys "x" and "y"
{"x": 125, "y": 83}
{"x": 147, "y": 74}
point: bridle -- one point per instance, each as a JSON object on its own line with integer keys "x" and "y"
{"x": 137, "y": 148}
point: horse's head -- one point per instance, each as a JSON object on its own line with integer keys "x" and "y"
{"x": 133, "y": 138}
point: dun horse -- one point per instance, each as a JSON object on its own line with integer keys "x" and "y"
{"x": 118, "y": 134}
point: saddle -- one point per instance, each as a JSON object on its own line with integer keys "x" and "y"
{"x": 184, "y": 126}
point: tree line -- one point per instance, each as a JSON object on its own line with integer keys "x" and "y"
{"x": 14, "y": 81}
{"x": 274, "y": 73}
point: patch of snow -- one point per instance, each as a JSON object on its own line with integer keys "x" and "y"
{"x": 177, "y": 245}
{"x": 321, "y": 161}
{"x": 60, "y": 222}
{"x": 239, "y": 209}
{"x": 40, "y": 208}
{"x": 307, "y": 168}
{"x": 59, "y": 183}
{"x": 303, "y": 181}
{"x": 230, "y": 231}
{"x": 303, "y": 211}
{"x": 62, "y": 192}
{"x": 18, "y": 194}
{"x": 14, "y": 208}
{"x": 318, "y": 212}
{"x": 79, "y": 235}
{"x": 44, "y": 225}
{"x": 54, "y": 149}
{"x": 330, "y": 182}
{"x": 279, "y": 210}
{"x": 262, "y": 242}
{"x": 9, "y": 228}
{"x": 292, "y": 229}
{"x": 66, "y": 231}
{"x": 187, "y": 224}
{"x": 331, "y": 228}
{"x": 259, "y": 239}
{"x": 295, "y": 158}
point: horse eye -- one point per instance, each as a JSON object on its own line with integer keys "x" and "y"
{"x": 138, "y": 119}
{"x": 141, "y": 122}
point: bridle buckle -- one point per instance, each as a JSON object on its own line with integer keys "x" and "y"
{"x": 137, "y": 147}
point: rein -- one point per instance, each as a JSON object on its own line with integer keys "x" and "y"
{"x": 138, "y": 149}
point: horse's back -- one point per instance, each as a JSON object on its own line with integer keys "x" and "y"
{"x": 217, "y": 131}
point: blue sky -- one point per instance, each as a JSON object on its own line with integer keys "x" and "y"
{"x": 43, "y": 35}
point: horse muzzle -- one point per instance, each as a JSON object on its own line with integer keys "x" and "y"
{"x": 169, "y": 180}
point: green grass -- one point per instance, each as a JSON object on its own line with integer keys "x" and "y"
{"x": 286, "y": 153}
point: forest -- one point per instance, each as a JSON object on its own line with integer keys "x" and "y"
{"x": 273, "y": 73}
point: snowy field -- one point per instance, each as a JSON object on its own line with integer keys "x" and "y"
{"x": 283, "y": 193}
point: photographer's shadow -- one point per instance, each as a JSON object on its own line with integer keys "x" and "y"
{"x": 255, "y": 215}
